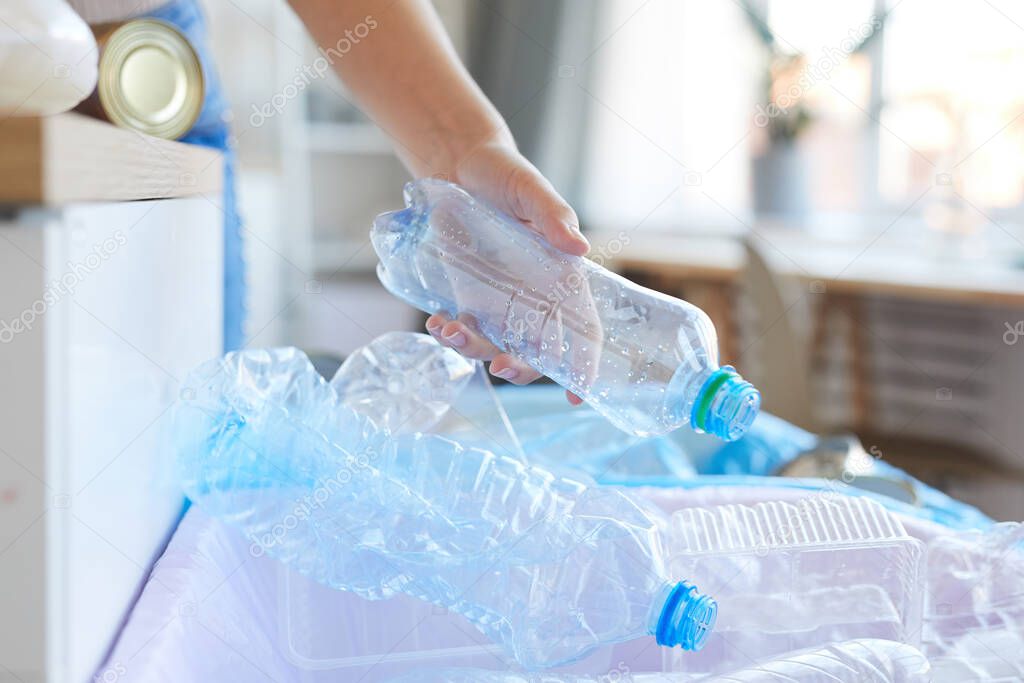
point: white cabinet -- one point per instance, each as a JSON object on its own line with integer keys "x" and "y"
{"x": 104, "y": 306}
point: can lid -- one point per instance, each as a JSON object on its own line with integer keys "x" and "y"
{"x": 151, "y": 79}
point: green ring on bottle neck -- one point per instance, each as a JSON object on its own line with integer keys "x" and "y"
{"x": 706, "y": 396}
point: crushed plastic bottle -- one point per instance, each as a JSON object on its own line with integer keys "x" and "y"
{"x": 406, "y": 382}
{"x": 864, "y": 661}
{"x": 644, "y": 360}
{"x": 403, "y": 381}
{"x": 478, "y": 418}
{"x": 547, "y": 566}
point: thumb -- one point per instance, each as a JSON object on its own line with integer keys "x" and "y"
{"x": 500, "y": 174}
{"x": 533, "y": 199}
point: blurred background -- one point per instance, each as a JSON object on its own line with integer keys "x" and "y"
{"x": 839, "y": 185}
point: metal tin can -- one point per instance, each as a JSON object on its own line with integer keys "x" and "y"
{"x": 150, "y": 78}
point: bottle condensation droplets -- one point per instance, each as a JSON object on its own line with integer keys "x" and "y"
{"x": 644, "y": 360}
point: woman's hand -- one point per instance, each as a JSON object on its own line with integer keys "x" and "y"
{"x": 407, "y": 76}
{"x": 497, "y": 172}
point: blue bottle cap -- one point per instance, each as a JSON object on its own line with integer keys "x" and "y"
{"x": 687, "y": 618}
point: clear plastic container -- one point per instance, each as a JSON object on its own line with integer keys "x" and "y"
{"x": 974, "y": 607}
{"x": 214, "y": 610}
{"x": 793, "y": 576}
{"x": 354, "y": 639}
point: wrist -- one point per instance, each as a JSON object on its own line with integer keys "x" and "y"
{"x": 456, "y": 150}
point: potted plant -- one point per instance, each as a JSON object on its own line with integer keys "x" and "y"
{"x": 784, "y": 112}
{"x": 780, "y": 171}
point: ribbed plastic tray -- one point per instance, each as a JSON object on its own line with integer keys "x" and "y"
{"x": 789, "y": 576}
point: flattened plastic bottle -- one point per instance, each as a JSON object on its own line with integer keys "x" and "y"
{"x": 644, "y": 360}
{"x": 547, "y": 566}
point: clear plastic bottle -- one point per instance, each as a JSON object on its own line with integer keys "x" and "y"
{"x": 644, "y": 360}
{"x": 403, "y": 381}
{"x": 406, "y": 382}
{"x": 547, "y": 566}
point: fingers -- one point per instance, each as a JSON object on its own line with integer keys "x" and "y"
{"x": 535, "y": 200}
{"x": 573, "y": 399}
{"x": 462, "y": 336}
{"x": 500, "y": 174}
{"x": 513, "y": 370}
{"x": 434, "y": 325}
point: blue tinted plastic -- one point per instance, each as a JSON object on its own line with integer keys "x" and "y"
{"x": 548, "y": 566}
{"x": 769, "y": 444}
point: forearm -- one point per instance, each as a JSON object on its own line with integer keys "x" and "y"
{"x": 406, "y": 75}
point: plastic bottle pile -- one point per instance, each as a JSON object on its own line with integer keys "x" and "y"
{"x": 347, "y": 483}
{"x": 549, "y": 566}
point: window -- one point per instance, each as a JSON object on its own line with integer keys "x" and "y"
{"x": 911, "y": 100}
{"x": 669, "y": 104}
{"x": 952, "y": 105}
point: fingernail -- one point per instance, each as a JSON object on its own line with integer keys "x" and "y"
{"x": 575, "y": 230}
{"x": 506, "y": 373}
{"x": 456, "y": 339}
{"x": 434, "y": 327}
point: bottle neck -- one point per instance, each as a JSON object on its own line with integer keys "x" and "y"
{"x": 725, "y": 405}
{"x": 682, "y": 616}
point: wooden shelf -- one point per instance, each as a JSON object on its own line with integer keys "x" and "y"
{"x": 73, "y": 158}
